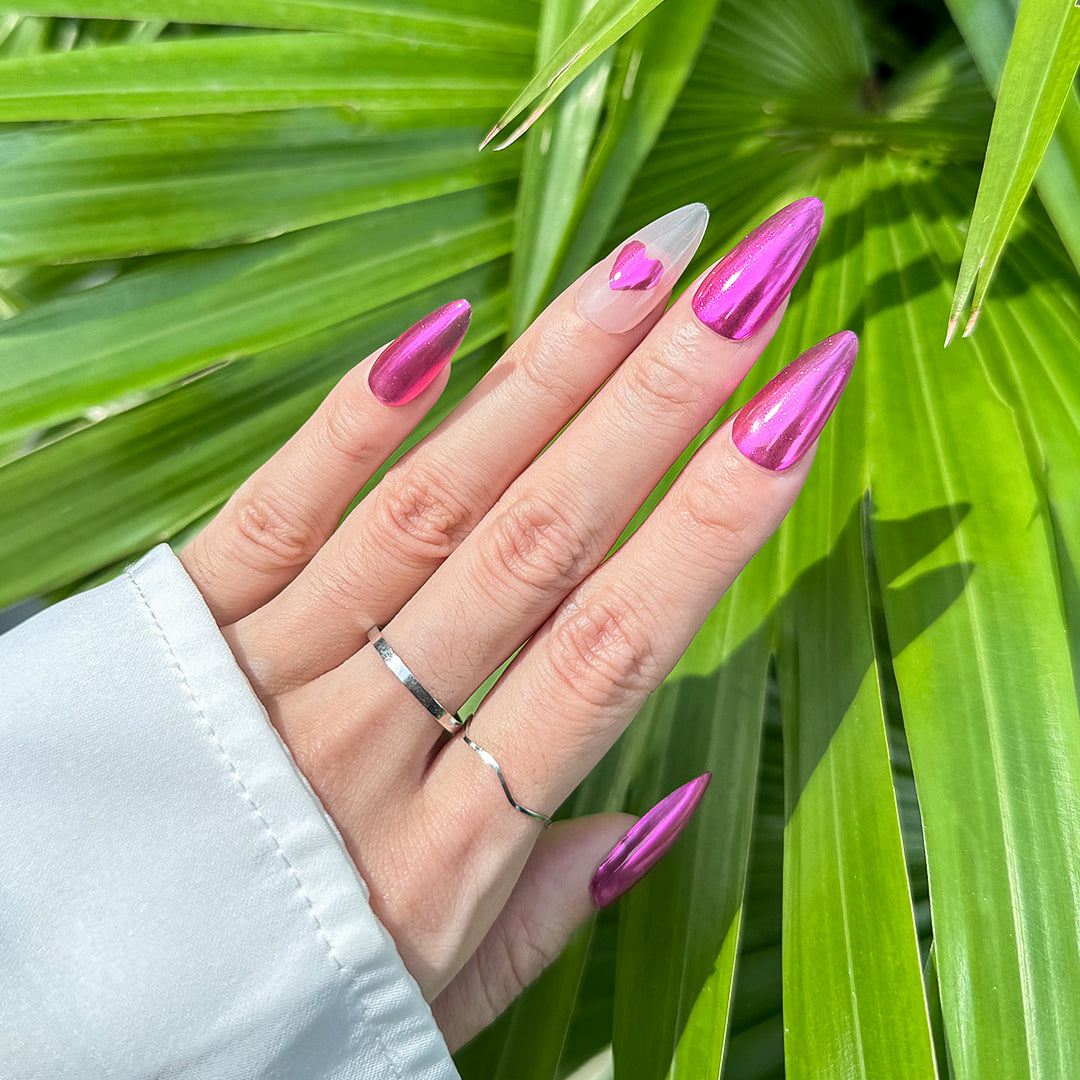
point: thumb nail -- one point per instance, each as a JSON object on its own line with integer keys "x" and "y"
{"x": 646, "y": 842}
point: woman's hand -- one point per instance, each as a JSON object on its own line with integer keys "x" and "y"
{"x": 473, "y": 544}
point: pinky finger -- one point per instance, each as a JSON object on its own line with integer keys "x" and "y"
{"x": 280, "y": 517}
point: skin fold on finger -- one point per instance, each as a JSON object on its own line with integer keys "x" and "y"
{"x": 549, "y": 902}
{"x": 573, "y": 688}
{"x": 276, "y": 521}
{"x": 433, "y": 497}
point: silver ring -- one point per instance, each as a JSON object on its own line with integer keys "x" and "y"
{"x": 449, "y": 720}
{"x": 487, "y": 759}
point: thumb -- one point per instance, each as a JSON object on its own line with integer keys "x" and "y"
{"x": 575, "y": 867}
{"x": 549, "y": 902}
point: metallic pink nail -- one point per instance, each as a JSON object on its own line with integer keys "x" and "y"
{"x": 407, "y": 366}
{"x": 745, "y": 288}
{"x": 778, "y": 424}
{"x": 646, "y": 842}
{"x": 623, "y": 288}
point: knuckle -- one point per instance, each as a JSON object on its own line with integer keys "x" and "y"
{"x": 689, "y": 337}
{"x": 526, "y": 953}
{"x": 343, "y": 428}
{"x": 419, "y": 514}
{"x": 535, "y": 544}
{"x": 271, "y": 534}
{"x": 713, "y": 502}
{"x": 664, "y": 388}
{"x": 601, "y": 649}
{"x": 544, "y": 363}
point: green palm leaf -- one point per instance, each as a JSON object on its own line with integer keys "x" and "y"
{"x": 987, "y": 27}
{"x": 108, "y": 190}
{"x": 654, "y": 61}
{"x": 603, "y": 22}
{"x": 493, "y": 24}
{"x": 556, "y": 155}
{"x": 384, "y": 82}
{"x": 98, "y": 350}
{"x": 1035, "y": 85}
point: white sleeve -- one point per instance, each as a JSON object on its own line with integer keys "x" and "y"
{"x": 174, "y": 900}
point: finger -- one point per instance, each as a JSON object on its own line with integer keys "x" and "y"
{"x": 561, "y": 517}
{"x": 575, "y": 685}
{"x": 272, "y": 526}
{"x": 430, "y": 500}
{"x": 550, "y": 901}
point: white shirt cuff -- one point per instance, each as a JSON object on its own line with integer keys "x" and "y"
{"x": 176, "y": 901}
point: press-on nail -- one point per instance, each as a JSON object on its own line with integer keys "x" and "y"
{"x": 778, "y": 424}
{"x": 622, "y": 289}
{"x": 646, "y": 842}
{"x": 745, "y": 288}
{"x": 407, "y": 366}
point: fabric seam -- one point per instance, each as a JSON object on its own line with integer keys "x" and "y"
{"x": 279, "y": 850}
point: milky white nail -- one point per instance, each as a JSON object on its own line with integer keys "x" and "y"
{"x": 623, "y": 288}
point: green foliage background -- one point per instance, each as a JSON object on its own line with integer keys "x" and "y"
{"x": 210, "y": 210}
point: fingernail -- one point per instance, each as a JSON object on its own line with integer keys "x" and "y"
{"x": 778, "y": 424}
{"x": 745, "y": 288}
{"x": 407, "y": 366}
{"x": 622, "y": 289}
{"x": 644, "y": 845}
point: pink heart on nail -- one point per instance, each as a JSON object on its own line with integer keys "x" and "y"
{"x": 633, "y": 269}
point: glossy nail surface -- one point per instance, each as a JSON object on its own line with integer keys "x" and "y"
{"x": 407, "y": 366}
{"x": 623, "y": 288}
{"x": 778, "y": 424}
{"x": 646, "y": 842}
{"x": 745, "y": 288}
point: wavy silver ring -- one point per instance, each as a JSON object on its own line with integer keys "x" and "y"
{"x": 449, "y": 720}
{"x": 487, "y": 759}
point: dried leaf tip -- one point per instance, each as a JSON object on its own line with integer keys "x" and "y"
{"x": 490, "y": 135}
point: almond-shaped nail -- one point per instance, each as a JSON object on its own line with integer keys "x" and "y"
{"x": 746, "y": 287}
{"x": 646, "y": 843}
{"x": 623, "y": 288}
{"x": 778, "y": 424}
{"x": 407, "y": 366}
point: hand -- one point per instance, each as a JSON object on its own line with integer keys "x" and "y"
{"x": 473, "y": 545}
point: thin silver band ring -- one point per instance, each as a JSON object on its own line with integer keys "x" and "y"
{"x": 487, "y": 759}
{"x": 449, "y": 720}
